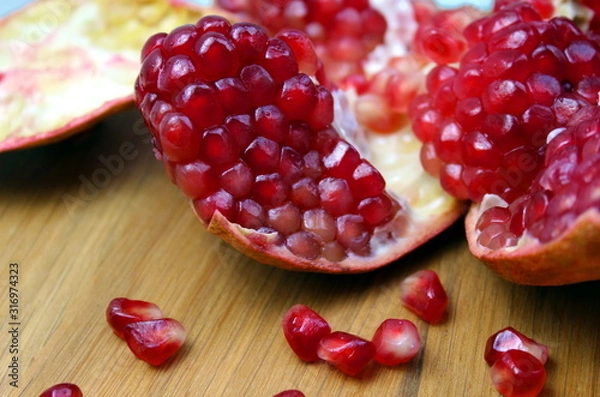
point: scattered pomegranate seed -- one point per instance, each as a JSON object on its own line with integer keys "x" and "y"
{"x": 290, "y": 393}
{"x": 518, "y": 374}
{"x": 63, "y": 390}
{"x": 422, "y": 292}
{"x": 348, "y": 353}
{"x": 511, "y": 339}
{"x": 396, "y": 342}
{"x": 303, "y": 329}
{"x": 123, "y": 311}
{"x": 155, "y": 341}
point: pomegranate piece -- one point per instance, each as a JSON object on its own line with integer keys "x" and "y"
{"x": 348, "y": 353}
{"x": 123, "y": 311}
{"x": 423, "y": 293}
{"x": 290, "y": 393}
{"x": 396, "y": 342}
{"x": 155, "y": 341}
{"x": 520, "y": 78}
{"x": 518, "y": 374}
{"x": 303, "y": 329}
{"x": 63, "y": 390}
{"x": 272, "y": 174}
{"x": 511, "y": 339}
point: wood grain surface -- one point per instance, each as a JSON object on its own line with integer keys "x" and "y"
{"x": 95, "y": 217}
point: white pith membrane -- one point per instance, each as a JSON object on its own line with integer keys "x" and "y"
{"x": 426, "y": 209}
{"x": 66, "y": 64}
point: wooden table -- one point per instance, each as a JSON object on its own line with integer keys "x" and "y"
{"x": 95, "y": 217}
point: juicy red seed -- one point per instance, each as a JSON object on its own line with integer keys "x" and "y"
{"x": 220, "y": 201}
{"x": 336, "y": 197}
{"x": 63, "y": 390}
{"x": 180, "y": 39}
{"x": 217, "y": 56}
{"x": 304, "y": 244}
{"x": 518, "y": 374}
{"x": 218, "y": 146}
{"x": 196, "y": 180}
{"x": 279, "y": 60}
{"x": 305, "y": 193}
{"x": 396, "y": 342}
{"x": 232, "y": 95}
{"x": 510, "y": 339}
{"x": 375, "y": 210}
{"x": 271, "y": 123}
{"x": 348, "y": 353}
{"x": 303, "y": 329}
{"x": 298, "y": 97}
{"x": 155, "y": 341}
{"x": 352, "y": 233}
{"x": 176, "y": 73}
{"x": 320, "y": 223}
{"x": 250, "y": 214}
{"x": 123, "y": 311}
{"x": 197, "y": 102}
{"x": 238, "y": 180}
{"x": 179, "y": 141}
{"x": 214, "y": 23}
{"x": 261, "y": 87}
{"x": 423, "y": 293}
{"x": 270, "y": 189}
{"x": 286, "y": 218}
{"x": 290, "y": 393}
{"x": 262, "y": 154}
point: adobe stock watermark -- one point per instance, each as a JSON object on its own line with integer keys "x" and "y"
{"x": 57, "y": 13}
{"x": 110, "y": 167}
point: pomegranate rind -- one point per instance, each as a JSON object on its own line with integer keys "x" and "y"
{"x": 571, "y": 258}
{"x": 66, "y": 65}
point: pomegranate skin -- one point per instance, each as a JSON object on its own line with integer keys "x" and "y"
{"x": 570, "y": 259}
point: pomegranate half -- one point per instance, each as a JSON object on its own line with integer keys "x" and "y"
{"x": 272, "y": 155}
{"x": 66, "y": 65}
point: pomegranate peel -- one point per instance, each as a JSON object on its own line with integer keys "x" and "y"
{"x": 58, "y": 78}
{"x": 566, "y": 260}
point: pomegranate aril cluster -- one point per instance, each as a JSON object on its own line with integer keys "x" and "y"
{"x": 344, "y": 32}
{"x": 310, "y": 337}
{"x": 149, "y": 336}
{"x": 566, "y": 188}
{"x": 244, "y": 129}
{"x": 484, "y": 123}
{"x": 517, "y": 363}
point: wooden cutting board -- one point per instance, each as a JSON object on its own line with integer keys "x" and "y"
{"x": 95, "y": 217}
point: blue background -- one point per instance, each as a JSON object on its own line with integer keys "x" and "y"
{"x": 7, "y": 6}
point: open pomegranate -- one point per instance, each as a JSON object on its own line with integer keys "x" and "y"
{"x": 514, "y": 127}
{"x": 66, "y": 65}
{"x": 272, "y": 156}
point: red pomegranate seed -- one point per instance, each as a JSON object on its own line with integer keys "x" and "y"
{"x": 303, "y": 329}
{"x": 423, "y": 293}
{"x": 155, "y": 341}
{"x": 518, "y": 374}
{"x": 511, "y": 339}
{"x": 290, "y": 393}
{"x": 396, "y": 342}
{"x": 123, "y": 311}
{"x": 348, "y": 353}
{"x": 63, "y": 390}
